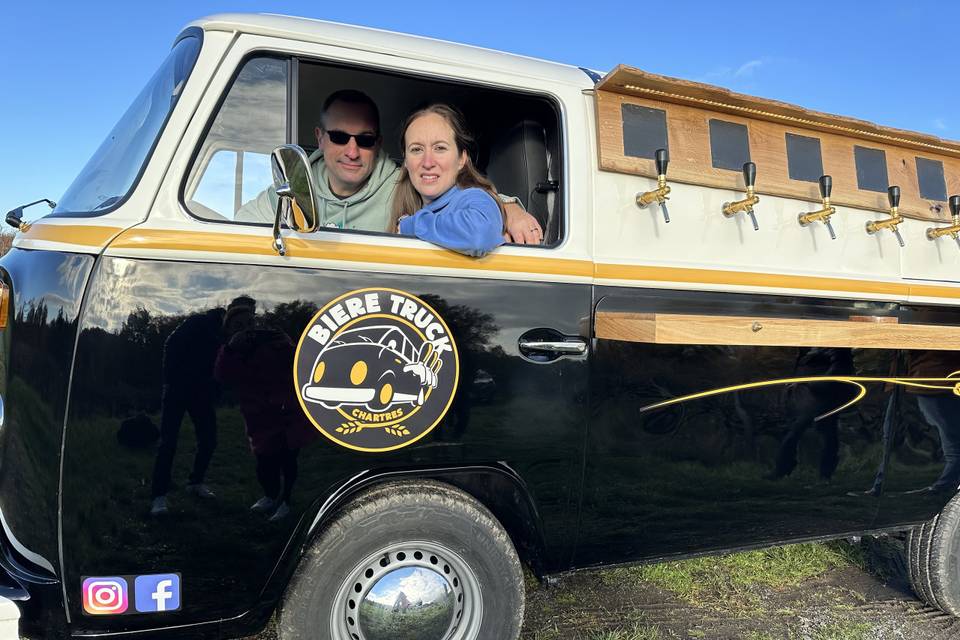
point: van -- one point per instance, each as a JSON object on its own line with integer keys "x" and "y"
{"x": 741, "y": 329}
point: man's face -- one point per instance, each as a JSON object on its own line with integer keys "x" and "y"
{"x": 348, "y": 165}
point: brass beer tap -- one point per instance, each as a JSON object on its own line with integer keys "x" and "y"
{"x": 658, "y": 195}
{"x": 731, "y": 209}
{"x": 953, "y": 230}
{"x": 893, "y": 193}
{"x": 821, "y": 215}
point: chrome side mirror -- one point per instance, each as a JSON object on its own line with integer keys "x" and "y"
{"x": 296, "y": 199}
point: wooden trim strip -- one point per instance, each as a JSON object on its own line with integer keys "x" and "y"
{"x": 668, "y": 328}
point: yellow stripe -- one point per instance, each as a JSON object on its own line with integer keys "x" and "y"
{"x": 169, "y": 240}
{"x": 347, "y": 251}
{"x": 771, "y": 281}
{"x": 87, "y": 235}
{"x": 747, "y": 279}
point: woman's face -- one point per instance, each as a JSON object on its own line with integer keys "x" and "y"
{"x": 431, "y": 157}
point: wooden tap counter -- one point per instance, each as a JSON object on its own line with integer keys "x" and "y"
{"x": 689, "y": 108}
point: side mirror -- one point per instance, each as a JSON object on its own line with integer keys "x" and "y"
{"x": 296, "y": 200}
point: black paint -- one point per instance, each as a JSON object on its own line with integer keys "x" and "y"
{"x": 871, "y": 169}
{"x": 644, "y": 130}
{"x": 804, "y": 159}
{"x": 932, "y": 184}
{"x": 527, "y": 466}
{"x": 729, "y": 145}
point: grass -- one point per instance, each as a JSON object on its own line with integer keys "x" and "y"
{"x": 736, "y": 580}
{"x": 636, "y": 632}
{"x": 840, "y": 630}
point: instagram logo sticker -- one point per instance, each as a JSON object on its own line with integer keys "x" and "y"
{"x": 104, "y": 596}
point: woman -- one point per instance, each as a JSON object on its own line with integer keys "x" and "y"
{"x": 440, "y": 196}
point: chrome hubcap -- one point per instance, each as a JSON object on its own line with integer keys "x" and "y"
{"x": 409, "y": 591}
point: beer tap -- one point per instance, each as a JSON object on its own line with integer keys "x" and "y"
{"x": 893, "y": 193}
{"x": 731, "y": 209}
{"x": 821, "y": 215}
{"x": 953, "y": 230}
{"x": 658, "y": 195}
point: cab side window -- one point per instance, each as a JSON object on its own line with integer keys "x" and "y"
{"x": 232, "y": 166}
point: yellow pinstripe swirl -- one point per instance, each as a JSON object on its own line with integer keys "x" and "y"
{"x": 949, "y": 383}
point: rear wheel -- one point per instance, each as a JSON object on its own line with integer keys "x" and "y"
{"x": 418, "y": 560}
{"x": 933, "y": 556}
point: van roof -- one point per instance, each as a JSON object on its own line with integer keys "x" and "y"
{"x": 391, "y": 43}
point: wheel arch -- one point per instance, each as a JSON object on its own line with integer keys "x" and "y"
{"x": 497, "y": 487}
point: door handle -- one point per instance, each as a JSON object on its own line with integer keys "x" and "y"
{"x": 574, "y": 346}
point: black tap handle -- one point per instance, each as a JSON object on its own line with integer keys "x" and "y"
{"x": 955, "y": 206}
{"x": 894, "y": 194}
{"x": 660, "y": 157}
{"x": 826, "y": 186}
{"x": 749, "y": 174}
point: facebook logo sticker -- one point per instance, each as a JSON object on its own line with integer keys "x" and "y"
{"x": 160, "y": 592}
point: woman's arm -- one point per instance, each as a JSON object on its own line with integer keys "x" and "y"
{"x": 471, "y": 224}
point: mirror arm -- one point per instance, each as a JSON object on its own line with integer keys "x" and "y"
{"x": 283, "y": 191}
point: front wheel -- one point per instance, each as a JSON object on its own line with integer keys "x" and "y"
{"x": 413, "y": 560}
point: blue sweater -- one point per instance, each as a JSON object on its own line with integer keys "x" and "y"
{"x": 465, "y": 220}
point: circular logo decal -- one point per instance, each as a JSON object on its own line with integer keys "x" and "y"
{"x": 376, "y": 369}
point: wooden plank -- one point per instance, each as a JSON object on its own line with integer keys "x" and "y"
{"x": 665, "y": 328}
{"x": 633, "y": 81}
{"x": 690, "y": 161}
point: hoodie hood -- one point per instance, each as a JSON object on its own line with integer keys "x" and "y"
{"x": 369, "y": 208}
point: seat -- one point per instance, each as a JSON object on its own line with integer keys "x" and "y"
{"x": 520, "y": 165}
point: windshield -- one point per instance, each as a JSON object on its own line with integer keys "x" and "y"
{"x": 115, "y": 167}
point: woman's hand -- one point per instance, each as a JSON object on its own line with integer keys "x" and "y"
{"x": 522, "y": 228}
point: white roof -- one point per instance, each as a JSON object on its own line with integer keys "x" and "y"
{"x": 391, "y": 43}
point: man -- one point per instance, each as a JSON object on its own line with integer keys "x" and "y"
{"x": 355, "y": 178}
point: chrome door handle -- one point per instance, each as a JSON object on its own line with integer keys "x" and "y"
{"x": 575, "y": 347}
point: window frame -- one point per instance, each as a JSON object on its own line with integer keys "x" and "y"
{"x": 294, "y": 59}
{"x": 189, "y": 32}
{"x": 201, "y": 140}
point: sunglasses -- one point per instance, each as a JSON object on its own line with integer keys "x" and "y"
{"x": 364, "y": 140}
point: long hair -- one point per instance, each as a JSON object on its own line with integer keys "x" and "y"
{"x": 406, "y": 200}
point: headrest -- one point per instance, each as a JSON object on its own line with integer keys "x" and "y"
{"x": 518, "y": 161}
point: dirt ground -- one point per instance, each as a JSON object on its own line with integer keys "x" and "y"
{"x": 843, "y": 603}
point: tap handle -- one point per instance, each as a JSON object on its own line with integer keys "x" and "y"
{"x": 662, "y": 160}
{"x": 955, "y": 206}
{"x": 826, "y": 186}
{"x": 893, "y": 193}
{"x": 749, "y": 174}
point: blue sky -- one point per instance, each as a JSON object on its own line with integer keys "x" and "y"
{"x": 69, "y": 70}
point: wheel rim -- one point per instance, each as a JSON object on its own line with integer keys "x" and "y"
{"x": 444, "y": 602}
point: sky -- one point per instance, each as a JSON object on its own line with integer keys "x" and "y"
{"x": 69, "y": 70}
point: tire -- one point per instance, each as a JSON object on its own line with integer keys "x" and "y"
{"x": 933, "y": 557}
{"x": 428, "y": 532}
{"x": 944, "y": 563}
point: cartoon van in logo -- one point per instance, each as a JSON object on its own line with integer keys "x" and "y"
{"x": 377, "y": 367}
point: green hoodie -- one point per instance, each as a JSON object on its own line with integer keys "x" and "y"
{"x": 366, "y": 210}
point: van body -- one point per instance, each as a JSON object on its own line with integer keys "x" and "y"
{"x": 630, "y": 390}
